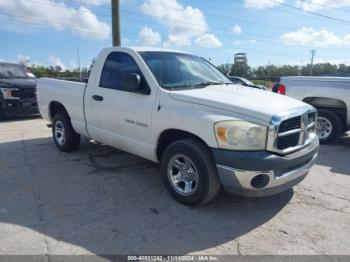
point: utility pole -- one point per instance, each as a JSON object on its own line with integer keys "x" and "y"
{"x": 79, "y": 66}
{"x": 115, "y": 23}
{"x": 313, "y": 52}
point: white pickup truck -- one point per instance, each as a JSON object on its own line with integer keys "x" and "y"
{"x": 331, "y": 97}
{"x": 177, "y": 109}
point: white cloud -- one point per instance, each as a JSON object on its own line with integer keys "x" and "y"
{"x": 184, "y": 23}
{"x": 148, "y": 37}
{"x": 237, "y": 42}
{"x": 307, "y": 36}
{"x": 208, "y": 41}
{"x": 261, "y": 4}
{"x": 252, "y": 41}
{"x": 101, "y": 2}
{"x": 56, "y": 61}
{"x": 346, "y": 40}
{"x": 97, "y": 2}
{"x": 237, "y": 29}
{"x": 314, "y": 5}
{"x": 59, "y": 16}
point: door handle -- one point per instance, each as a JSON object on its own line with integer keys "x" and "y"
{"x": 97, "y": 98}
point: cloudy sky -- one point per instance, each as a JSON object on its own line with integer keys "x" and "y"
{"x": 49, "y": 32}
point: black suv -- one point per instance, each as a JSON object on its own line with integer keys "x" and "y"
{"x": 17, "y": 91}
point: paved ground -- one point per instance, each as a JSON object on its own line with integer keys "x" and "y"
{"x": 99, "y": 200}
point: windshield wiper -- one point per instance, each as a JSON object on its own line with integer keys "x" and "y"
{"x": 196, "y": 85}
{"x": 209, "y": 83}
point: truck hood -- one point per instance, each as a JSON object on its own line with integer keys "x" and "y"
{"x": 253, "y": 102}
{"x": 18, "y": 82}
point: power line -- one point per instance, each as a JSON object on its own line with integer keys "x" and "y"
{"x": 46, "y": 25}
{"x": 205, "y": 13}
{"x": 225, "y": 35}
{"x": 194, "y": 24}
{"x": 128, "y": 11}
{"x": 326, "y": 6}
{"x": 225, "y": 31}
{"x": 65, "y": 7}
{"x": 272, "y": 52}
{"x": 135, "y": 13}
{"x": 311, "y": 12}
{"x": 217, "y": 16}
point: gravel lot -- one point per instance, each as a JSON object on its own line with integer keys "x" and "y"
{"x": 99, "y": 200}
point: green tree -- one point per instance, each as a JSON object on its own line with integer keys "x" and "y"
{"x": 241, "y": 69}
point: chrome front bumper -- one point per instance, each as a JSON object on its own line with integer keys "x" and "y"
{"x": 279, "y": 172}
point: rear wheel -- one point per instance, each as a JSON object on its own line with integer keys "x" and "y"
{"x": 189, "y": 173}
{"x": 65, "y": 138}
{"x": 329, "y": 127}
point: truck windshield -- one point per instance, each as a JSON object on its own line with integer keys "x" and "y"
{"x": 175, "y": 71}
{"x": 14, "y": 71}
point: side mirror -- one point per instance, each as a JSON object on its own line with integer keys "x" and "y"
{"x": 131, "y": 82}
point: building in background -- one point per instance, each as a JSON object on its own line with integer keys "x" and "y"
{"x": 240, "y": 66}
{"x": 240, "y": 58}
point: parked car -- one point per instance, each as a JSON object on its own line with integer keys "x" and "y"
{"x": 177, "y": 109}
{"x": 331, "y": 97}
{"x": 17, "y": 91}
{"x": 245, "y": 82}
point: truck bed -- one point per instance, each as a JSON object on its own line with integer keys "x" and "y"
{"x": 68, "y": 93}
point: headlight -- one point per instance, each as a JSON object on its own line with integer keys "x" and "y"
{"x": 7, "y": 93}
{"x": 240, "y": 135}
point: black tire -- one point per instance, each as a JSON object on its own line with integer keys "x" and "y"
{"x": 334, "y": 124}
{"x": 71, "y": 139}
{"x": 208, "y": 182}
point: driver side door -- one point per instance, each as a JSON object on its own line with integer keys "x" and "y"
{"x": 119, "y": 117}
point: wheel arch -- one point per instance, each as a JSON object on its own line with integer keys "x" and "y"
{"x": 337, "y": 106}
{"x": 325, "y": 102}
{"x": 169, "y": 136}
{"x": 55, "y": 107}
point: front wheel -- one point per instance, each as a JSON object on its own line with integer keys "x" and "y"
{"x": 189, "y": 173}
{"x": 65, "y": 138}
{"x": 329, "y": 127}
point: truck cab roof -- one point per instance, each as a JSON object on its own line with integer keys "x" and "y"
{"x": 143, "y": 49}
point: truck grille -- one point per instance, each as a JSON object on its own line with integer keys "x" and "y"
{"x": 292, "y": 133}
{"x": 24, "y": 93}
{"x": 290, "y": 124}
{"x": 288, "y": 141}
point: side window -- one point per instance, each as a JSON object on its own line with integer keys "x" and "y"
{"x": 116, "y": 67}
